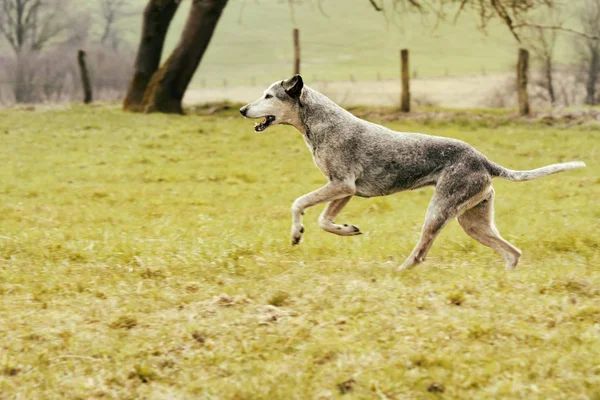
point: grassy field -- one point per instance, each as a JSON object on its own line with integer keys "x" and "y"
{"x": 147, "y": 256}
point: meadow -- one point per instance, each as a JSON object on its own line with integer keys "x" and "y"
{"x": 147, "y": 256}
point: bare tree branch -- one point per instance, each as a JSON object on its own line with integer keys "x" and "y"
{"x": 31, "y": 24}
{"x": 375, "y": 6}
{"x": 556, "y": 28}
{"x": 513, "y": 13}
{"x": 503, "y": 14}
{"x": 320, "y": 6}
{"x": 415, "y": 4}
{"x": 542, "y": 43}
{"x": 112, "y": 12}
{"x": 460, "y": 10}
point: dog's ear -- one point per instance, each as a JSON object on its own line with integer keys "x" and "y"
{"x": 293, "y": 86}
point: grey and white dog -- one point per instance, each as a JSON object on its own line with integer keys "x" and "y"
{"x": 364, "y": 159}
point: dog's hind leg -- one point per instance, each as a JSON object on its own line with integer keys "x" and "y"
{"x": 458, "y": 190}
{"x": 328, "y": 215}
{"x": 478, "y": 222}
{"x": 436, "y": 218}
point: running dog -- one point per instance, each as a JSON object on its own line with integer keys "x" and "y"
{"x": 364, "y": 159}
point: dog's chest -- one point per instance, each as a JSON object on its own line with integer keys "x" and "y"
{"x": 317, "y": 156}
{"x": 320, "y": 163}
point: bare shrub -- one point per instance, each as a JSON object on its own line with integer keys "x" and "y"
{"x": 5, "y": 94}
{"x": 110, "y": 72}
{"x": 587, "y": 50}
{"x": 56, "y": 77}
{"x": 20, "y": 73}
{"x": 542, "y": 43}
{"x": 568, "y": 88}
{"x": 53, "y": 76}
{"x": 502, "y": 96}
{"x": 423, "y": 100}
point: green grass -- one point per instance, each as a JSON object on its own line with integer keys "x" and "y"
{"x": 147, "y": 256}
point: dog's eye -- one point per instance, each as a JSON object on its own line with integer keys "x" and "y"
{"x": 268, "y": 96}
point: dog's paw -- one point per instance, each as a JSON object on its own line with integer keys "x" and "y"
{"x": 351, "y": 230}
{"x": 410, "y": 263}
{"x": 344, "y": 230}
{"x": 402, "y": 268}
{"x": 297, "y": 232}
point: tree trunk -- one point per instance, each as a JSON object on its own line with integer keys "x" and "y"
{"x": 168, "y": 85}
{"x": 157, "y": 18}
{"x": 592, "y": 78}
{"x": 550, "y": 80}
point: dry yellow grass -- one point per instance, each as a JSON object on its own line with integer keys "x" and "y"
{"x": 148, "y": 257}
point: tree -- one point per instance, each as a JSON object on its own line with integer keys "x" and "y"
{"x": 542, "y": 42}
{"x": 168, "y": 85}
{"x": 28, "y": 25}
{"x": 161, "y": 90}
{"x": 588, "y": 48}
{"x": 156, "y": 20}
{"x": 112, "y": 12}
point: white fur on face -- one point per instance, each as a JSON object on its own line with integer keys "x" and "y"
{"x": 267, "y": 104}
{"x": 270, "y": 103}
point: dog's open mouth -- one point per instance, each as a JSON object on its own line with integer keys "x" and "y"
{"x": 264, "y": 124}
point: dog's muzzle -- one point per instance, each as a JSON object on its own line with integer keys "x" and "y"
{"x": 264, "y": 124}
{"x": 259, "y": 126}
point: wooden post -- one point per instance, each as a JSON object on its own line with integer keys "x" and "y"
{"x": 405, "y": 98}
{"x": 522, "y": 75}
{"x": 296, "y": 51}
{"x": 85, "y": 77}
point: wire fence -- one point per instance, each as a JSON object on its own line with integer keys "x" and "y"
{"x": 382, "y": 92}
{"x": 54, "y": 77}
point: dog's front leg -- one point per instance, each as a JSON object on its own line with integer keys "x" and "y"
{"x": 332, "y": 191}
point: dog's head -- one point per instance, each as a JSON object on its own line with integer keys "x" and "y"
{"x": 278, "y": 104}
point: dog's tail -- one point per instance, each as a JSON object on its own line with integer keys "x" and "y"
{"x": 521, "y": 176}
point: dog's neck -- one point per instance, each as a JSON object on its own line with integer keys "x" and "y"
{"x": 317, "y": 115}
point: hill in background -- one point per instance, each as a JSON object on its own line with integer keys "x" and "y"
{"x": 340, "y": 39}
{"x": 344, "y": 40}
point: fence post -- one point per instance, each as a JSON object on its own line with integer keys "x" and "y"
{"x": 296, "y": 51}
{"x": 522, "y": 75}
{"x": 85, "y": 77}
{"x": 405, "y": 97}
